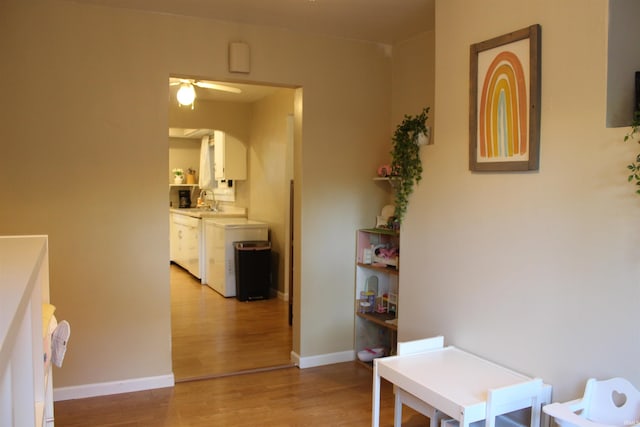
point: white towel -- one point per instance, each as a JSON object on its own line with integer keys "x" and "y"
{"x": 206, "y": 171}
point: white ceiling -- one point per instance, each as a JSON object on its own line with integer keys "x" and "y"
{"x": 383, "y": 21}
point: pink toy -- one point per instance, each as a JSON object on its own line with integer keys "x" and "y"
{"x": 384, "y": 170}
{"x": 387, "y": 253}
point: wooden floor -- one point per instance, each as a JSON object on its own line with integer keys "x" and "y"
{"x": 213, "y": 335}
{"x": 332, "y": 395}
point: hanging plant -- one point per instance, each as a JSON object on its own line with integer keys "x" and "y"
{"x": 634, "y": 167}
{"x": 406, "y": 166}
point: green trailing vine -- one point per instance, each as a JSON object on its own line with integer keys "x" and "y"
{"x": 634, "y": 167}
{"x": 406, "y": 166}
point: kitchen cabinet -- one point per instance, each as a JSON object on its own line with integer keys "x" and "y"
{"x": 185, "y": 243}
{"x": 229, "y": 156}
{"x": 186, "y": 232}
{"x": 173, "y": 239}
{"x": 377, "y": 274}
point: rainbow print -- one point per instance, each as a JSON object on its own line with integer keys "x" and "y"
{"x": 502, "y": 118}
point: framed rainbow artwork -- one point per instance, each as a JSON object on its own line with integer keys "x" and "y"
{"x": 504, "y": 102}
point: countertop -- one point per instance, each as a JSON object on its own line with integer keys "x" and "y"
{"x": 223, "y": 212}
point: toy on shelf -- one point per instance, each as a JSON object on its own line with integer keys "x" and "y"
{"x": 390, "y": 302}
{"x": 386, "y": 217}
{"x": 368, "y": 354}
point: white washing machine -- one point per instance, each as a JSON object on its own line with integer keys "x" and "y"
{"x": 220, "y": 235}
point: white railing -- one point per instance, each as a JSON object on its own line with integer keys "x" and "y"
{"x": 25, "y": 393}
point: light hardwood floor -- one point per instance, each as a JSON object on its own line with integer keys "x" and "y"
{"x": 332, "y": 395}
{"x": 213, "y": 335}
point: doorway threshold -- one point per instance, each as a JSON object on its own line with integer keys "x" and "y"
{"x": 235, "y": 373}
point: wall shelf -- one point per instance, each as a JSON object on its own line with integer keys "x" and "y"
{"x": 379, "y": 319}
{"x": 386, "y": 270}
{"x": 392, "y": 180}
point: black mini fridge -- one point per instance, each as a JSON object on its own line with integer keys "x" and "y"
{"x": 253, "y": 270}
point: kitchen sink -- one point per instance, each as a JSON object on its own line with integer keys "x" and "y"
{"x": 197, "y": 210}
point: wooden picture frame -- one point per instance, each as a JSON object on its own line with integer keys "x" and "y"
{"x": 504, "y": 102}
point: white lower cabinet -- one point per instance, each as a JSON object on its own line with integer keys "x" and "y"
{"x": 185, "y": 243}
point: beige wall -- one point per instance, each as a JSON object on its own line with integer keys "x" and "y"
{"x": 85, "y": 118}
{"x": 413, "y": 78}
{"x": 184, "y": 153}
{"x": 228, "y": 116}
{"x": 269, "y": 174}
{"x": 537, "y": 270}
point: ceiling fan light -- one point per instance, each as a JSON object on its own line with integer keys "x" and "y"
{"x": 186, "y": 94}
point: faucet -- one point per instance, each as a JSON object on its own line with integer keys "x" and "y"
{"x": 202, "y": 201}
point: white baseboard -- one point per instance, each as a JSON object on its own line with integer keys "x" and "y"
{"x": 283, "y": 296}
{"x": 322, "y": 359}
{"x": 279, "y": 294}
{"x": 112, "y": 387}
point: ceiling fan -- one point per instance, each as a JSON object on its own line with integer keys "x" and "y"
{"x": 187, "y": 92}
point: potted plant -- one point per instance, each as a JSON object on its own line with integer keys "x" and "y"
{"x": 634, "y": 167}
{"x": 178, "y": 176}
{"x": 406, "y": 166}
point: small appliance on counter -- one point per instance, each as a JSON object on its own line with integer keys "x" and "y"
{"x": 185, "y": 198}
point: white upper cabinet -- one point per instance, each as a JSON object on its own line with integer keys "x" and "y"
{"x": 230, "y": 157}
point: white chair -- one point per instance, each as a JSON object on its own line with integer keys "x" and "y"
{"x": 404, "y": 398}
{"x": 613, "y": 402}
{"x": 502, "y": 403}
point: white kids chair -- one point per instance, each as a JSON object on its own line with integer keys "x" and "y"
{"x": 607, "y": 403}
{"x": 502, "y": 403}
{"x": 405, "y": 398}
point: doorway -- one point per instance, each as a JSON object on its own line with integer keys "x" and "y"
{"x": 213, "y": 335}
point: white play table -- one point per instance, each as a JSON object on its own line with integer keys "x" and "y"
{"x": 449, "y": 379}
